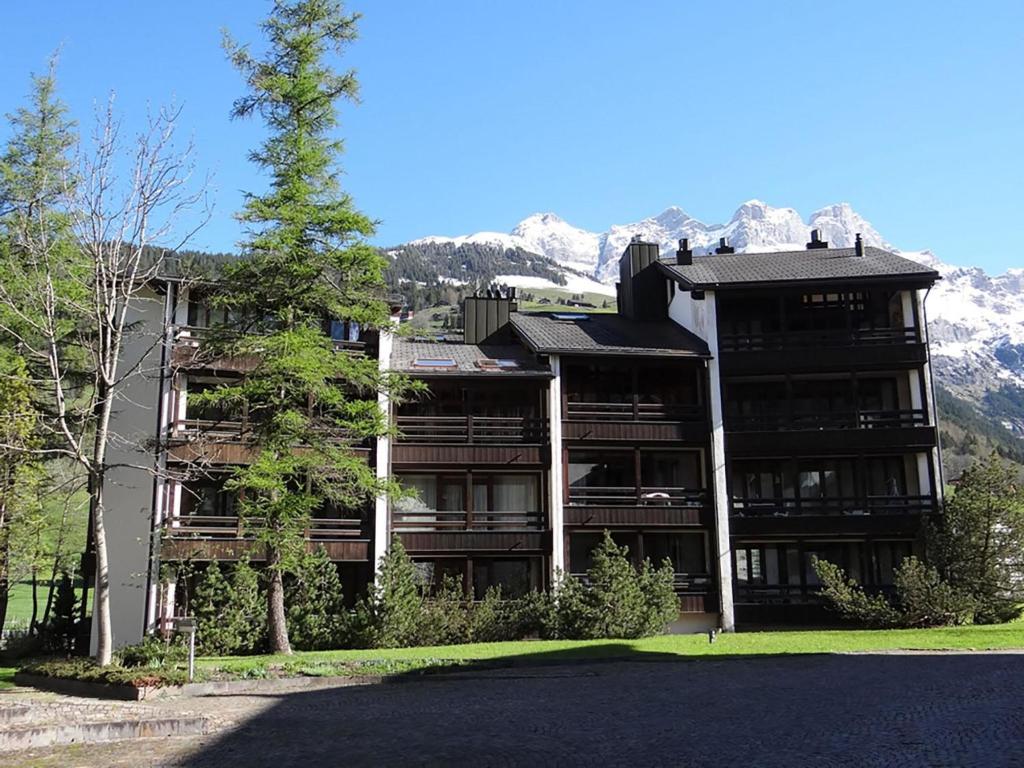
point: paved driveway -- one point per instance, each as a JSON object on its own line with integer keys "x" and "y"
{"x": 869, "y": 710}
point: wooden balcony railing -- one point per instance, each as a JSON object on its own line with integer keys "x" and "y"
{"x": 638, "y": 497}
{"x": 838, "y": 505}
{"x": 436, "y": 520}
{"x": 742, "y": 342}
{"x": 228, "y": 431}
{"x": 684, "y": 583}
{"x": 472, "y": 430}
{"x": 191, "y": 335}
{"x": 635, "y": 411}
{"x": 859, "y": 419}
{"x": 233, "y": 527}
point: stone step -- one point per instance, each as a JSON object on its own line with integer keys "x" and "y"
{"x": 29, "y": 736}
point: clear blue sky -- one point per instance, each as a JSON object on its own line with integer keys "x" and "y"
{"x": 476, "y": 114}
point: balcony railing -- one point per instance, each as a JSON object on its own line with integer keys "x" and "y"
{"x": 684, "y": 583}
{"x": 636, "y": 497}
{"x": 472, "y": 430}
{"x": 586, "y": 411}
{"x": 233, "y": 527}
{"x": 859, "y": 419}
{"x": 740, "y": 342}
{"x": 229, "y": 431}
{"x": 192, "y": 335}
{"x": 839, "y": 505}
{"x": 437, "y": 520}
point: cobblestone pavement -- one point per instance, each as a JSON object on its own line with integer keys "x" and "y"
{"x": 859, "y": 710}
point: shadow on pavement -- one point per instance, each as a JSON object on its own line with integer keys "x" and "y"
{"x": 821, "y": 710}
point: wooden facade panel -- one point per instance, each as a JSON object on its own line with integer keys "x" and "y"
{"x": 210, "y": 452}
{"x": 635, "y": 431}
{"x": 356, "y": 550}
{"x": 831, "y": 441}
{"x": 863, "y": 357}
{"x": 477, "y": 541}
{"x": 596, "y": 517}
{"x": 461, "y": 455}
{"x": 693, "y": 604}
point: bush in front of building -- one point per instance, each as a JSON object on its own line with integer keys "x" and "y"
{"x": 316, "y": 613}
{"x": 920, "y": 598}
{"x": 975, "y": 568}
{"x": 617, "y": 599}
{"x": 229, "y": 611}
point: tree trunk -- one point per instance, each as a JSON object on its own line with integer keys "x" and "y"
{"x": 58, "y": 551}
{"x": 104, "y": 633}
{"x": 33, "y": 624}
{"x": 5, "y": 584}
{"x": 277, "y": 626}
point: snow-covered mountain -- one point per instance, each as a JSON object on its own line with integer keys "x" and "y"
{"x": 976, "y": 320}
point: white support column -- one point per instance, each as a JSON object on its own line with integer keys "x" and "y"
{"x": 723, "y": 550}
{"x": 555, "y": 479}
{"x": 934, "y": 456}
{"x": 381, "y": 514}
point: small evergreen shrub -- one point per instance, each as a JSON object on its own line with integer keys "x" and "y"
{"x": 61, "y": 631}
{"x": 317, "y": 618}
{"x": 229, "y": 610}
{"x": 391, "y": 614}
{"x": 617, "y": 600}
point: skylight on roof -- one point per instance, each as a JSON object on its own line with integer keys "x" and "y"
{"x": 569, "y": 316}
{"x": 434, "y": 362}
{"x": 501, "y": 364}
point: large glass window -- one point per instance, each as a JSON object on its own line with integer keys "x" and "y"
{"x": 207, "y": 498}
{"x": 686, "y": 551}
{"x": 513, "y": 576}
{"x": 604, "y": 469}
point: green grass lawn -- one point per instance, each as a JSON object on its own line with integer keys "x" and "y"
{"x": 7, "y": 677}
{"x": 19, "y": 604}
{"x": 664, "y": 647}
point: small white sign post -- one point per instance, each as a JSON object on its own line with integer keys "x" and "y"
{"x": 187, "y": 626}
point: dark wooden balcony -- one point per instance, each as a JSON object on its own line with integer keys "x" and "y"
{"x": 630, "y": 506}
{"x": 187, "y": 351}
{"x": 872, "y": 515}
{"x": 849, "y": 506}
{"x": 634, "y": 422}
{"x": 858, "y": 419}
{"x": 224, "y": 537}
{"x": 843, "y": 435}
{"x": 221, "y": 442}
{"x": 432, "y": 520}
{"x": 472, "y": 430}
{"x": 470, "y": 440}
{"x": 809, "y": 351}
{"x": 748, "y": 342}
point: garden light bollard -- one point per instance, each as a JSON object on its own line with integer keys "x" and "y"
{"x": 188, "y": 626}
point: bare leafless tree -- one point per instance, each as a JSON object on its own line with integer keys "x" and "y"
{"x": 77, "y": 289}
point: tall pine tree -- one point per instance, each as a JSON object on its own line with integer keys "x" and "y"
{"x": 304, "y": 263}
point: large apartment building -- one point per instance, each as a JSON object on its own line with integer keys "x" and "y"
{"x": 740, "y": 414}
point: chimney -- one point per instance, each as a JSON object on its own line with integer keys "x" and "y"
{"x": 816, "y": 241}
{"x": 684, "y": 256}
{"x": 724, "y": 247}
{"x": 858, "y": 246}
{"x": 641, "y": 287}
{"x": 486, "y": 315}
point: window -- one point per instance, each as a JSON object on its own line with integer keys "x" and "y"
{"x": 686, "y": 551}
{"x": 207, "y": 498}
{"x": 434, "y": 362}
{"x": 497, "y": 365}
{"x": 605, "y": 469}
{"x": 666, "y": 469}
{"x": 513, "y": 576}
{"x": 569, "y": 316}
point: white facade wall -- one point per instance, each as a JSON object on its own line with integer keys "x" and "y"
{"x": 556, "y": 509}
{"x": 699, "y": 317}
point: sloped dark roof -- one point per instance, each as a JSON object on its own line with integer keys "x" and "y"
{"x": 816, "y": 265}
{"x": 466, "y": 359}
{"x": 605, "y": 334}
